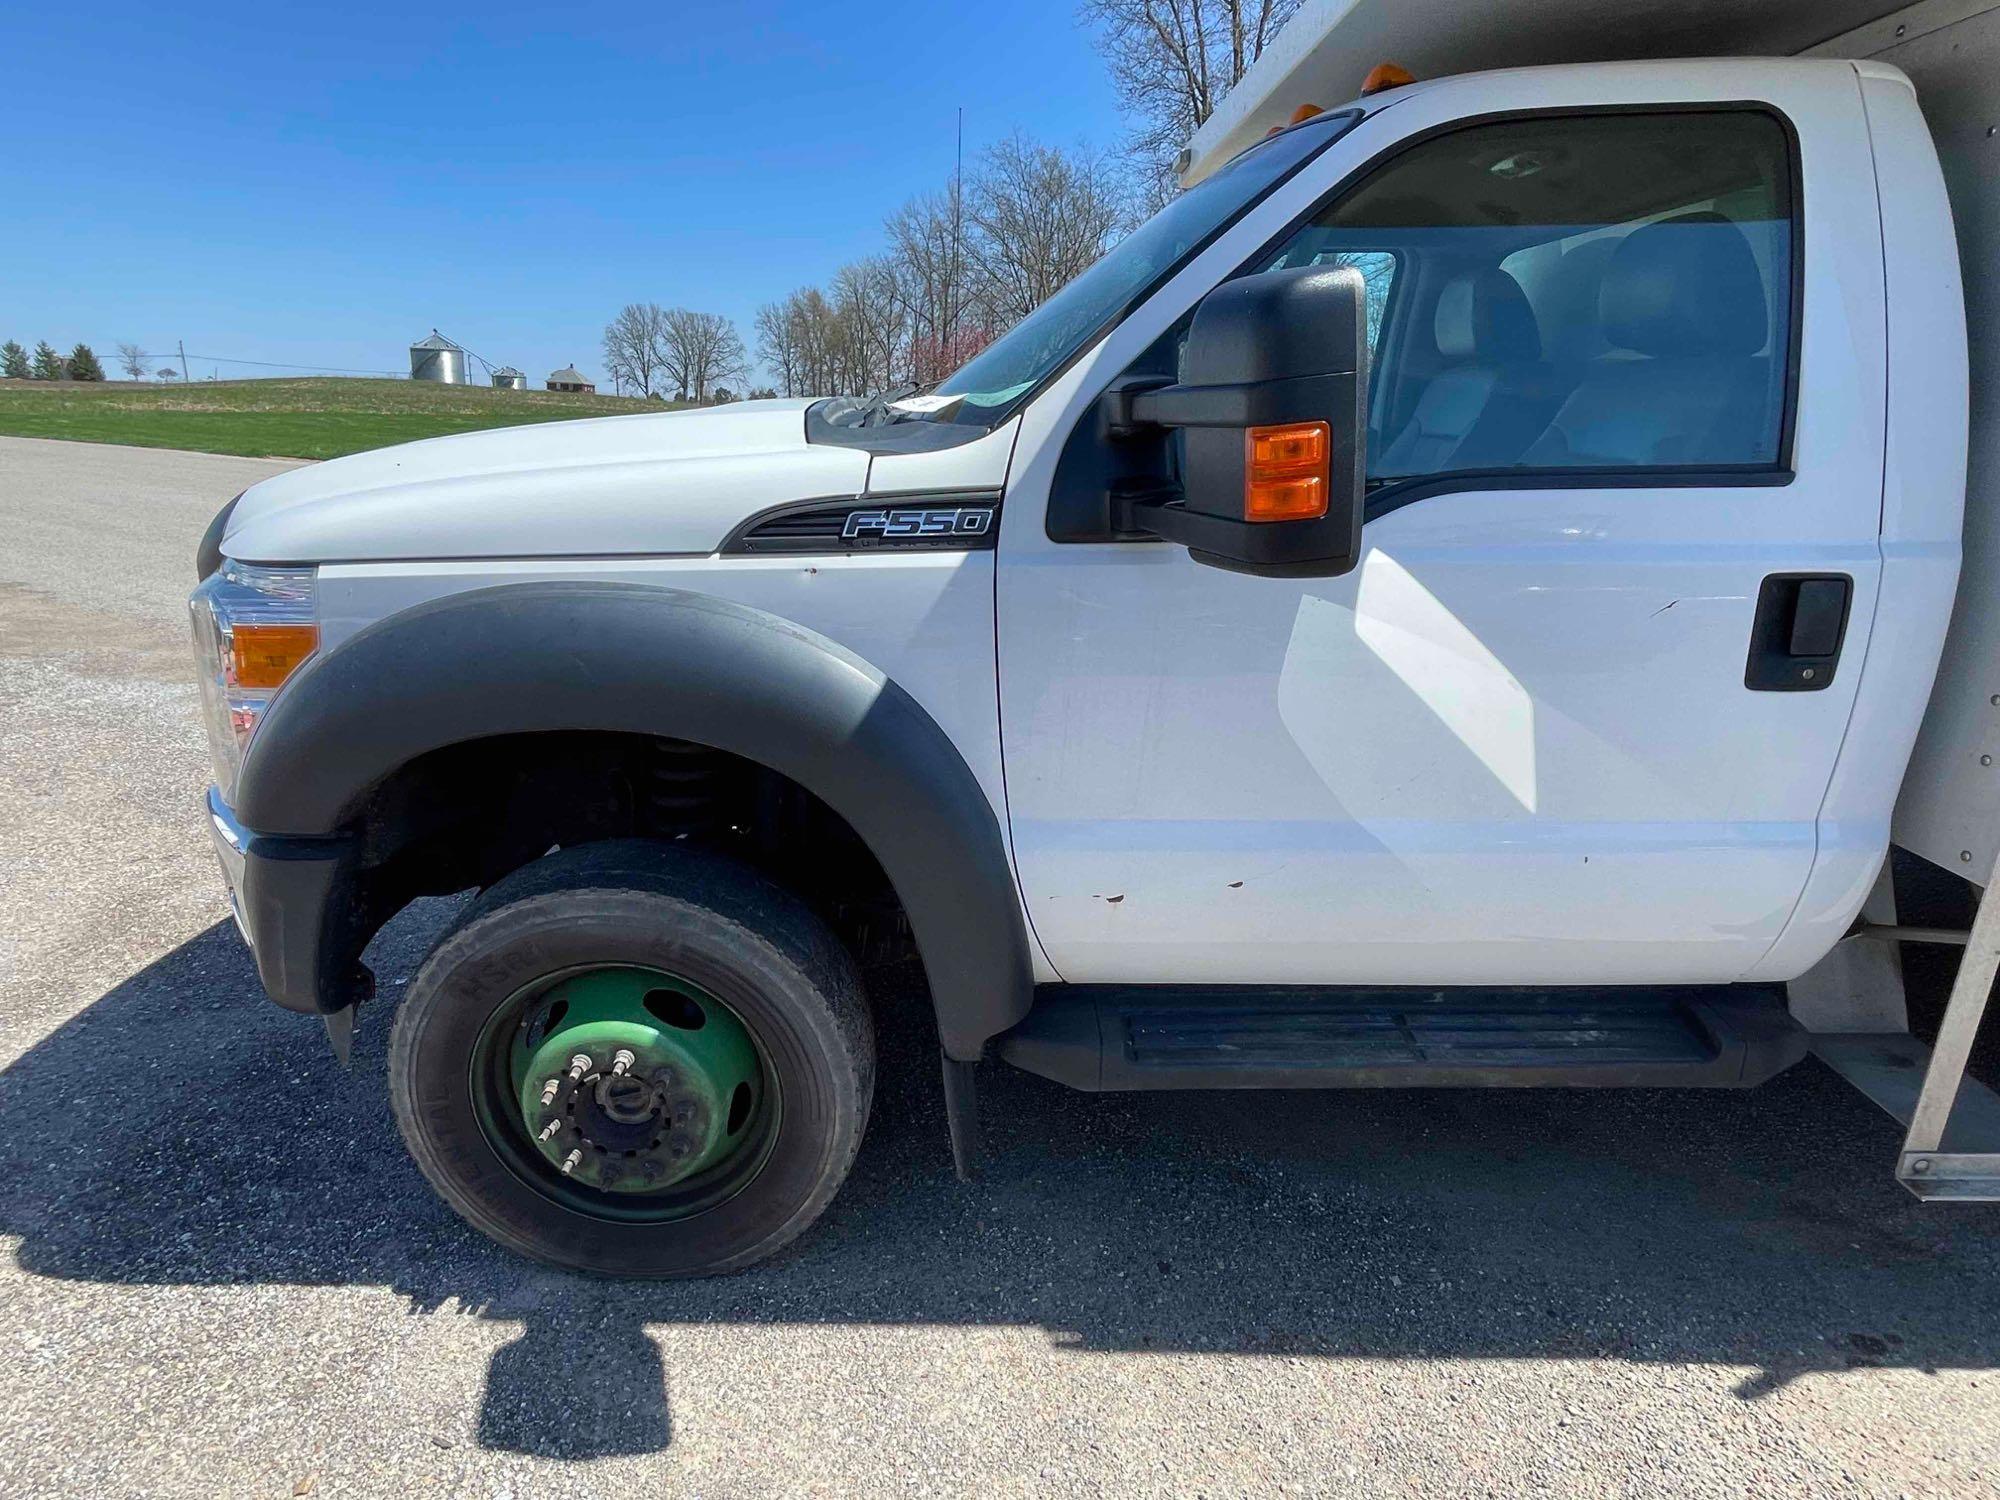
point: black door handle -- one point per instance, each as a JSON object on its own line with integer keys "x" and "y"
{"x": 1796, "y": 635}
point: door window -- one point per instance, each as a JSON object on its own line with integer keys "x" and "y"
{"x": 1604, "y": 292}
{"x": 1378, "y": 276}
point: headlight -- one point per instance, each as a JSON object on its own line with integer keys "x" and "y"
{"x": 252, "y": 629}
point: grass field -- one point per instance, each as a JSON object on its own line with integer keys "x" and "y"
{"x": 317, "y": 418}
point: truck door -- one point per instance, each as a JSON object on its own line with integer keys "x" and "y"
{"x": 1573, "y": 716}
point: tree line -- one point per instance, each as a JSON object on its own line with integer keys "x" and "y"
{"x": 961, "y": 265}
{"x": 81, "y": 363}
{"x": 675, "y": 351}
{"x": 964, "y": 263}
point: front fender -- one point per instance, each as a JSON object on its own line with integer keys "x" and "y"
{"x": 531, "y": 657}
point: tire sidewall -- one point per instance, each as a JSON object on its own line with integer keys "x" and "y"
{"x": 816, "y": 1056}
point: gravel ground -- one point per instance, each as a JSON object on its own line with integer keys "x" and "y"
{"x": 226, "y": 1278}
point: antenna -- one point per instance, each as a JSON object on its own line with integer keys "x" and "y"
{"x": 957, "y": 232}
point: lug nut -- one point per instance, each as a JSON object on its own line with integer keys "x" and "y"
{"x": 549, "y": 1129}
{"x": 549, "y": 1091}
{"x": 570, "y": 1161}
{"x": 621, "y": 1060}
{"x": 578, "y": 1066}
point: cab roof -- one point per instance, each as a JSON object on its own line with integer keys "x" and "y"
{"x": 1327, "y": 48}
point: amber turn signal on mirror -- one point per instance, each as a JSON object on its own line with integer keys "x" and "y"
{"x": 1285, "y": 471}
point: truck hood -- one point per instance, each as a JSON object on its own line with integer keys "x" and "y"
{"x": 659, "y": 482}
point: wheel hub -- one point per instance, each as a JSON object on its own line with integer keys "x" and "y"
{"x": 630, "y": 1081}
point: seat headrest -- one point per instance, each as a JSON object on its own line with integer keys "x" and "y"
{"x": 1485, "y": 315}
{"x": 1684, "y": 286}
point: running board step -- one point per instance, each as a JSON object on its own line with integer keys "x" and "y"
{"x": 1102, "y": 1037}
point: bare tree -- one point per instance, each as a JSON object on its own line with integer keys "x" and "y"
{"x": 1041, "y": 217}
{"x": 962, "y": 264}
{"x": 844, "y": 341}
{"x": 698, "y": 349}
{"x": 1172, "y": 61}
{"x": 133, "y": 360}
{"x": 778, "y": 344}
{"x": 635, "y": 345}
{"x": 929, "y": 244}
{"x": 819, "y": 343}
{"x": 871, "y": 326}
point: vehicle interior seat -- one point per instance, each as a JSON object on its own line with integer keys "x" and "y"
{"x": 1495, "y": 395}
{"x": 1683, "y": 309}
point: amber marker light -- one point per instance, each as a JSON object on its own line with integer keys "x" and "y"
{"x": 254, "y": 626}
{"x": 1286, "y": 471}
{"x": 263, "y": 656}
{"x": 1386, "y": 76}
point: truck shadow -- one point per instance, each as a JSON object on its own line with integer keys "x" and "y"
{"x": 181, "y": 1131}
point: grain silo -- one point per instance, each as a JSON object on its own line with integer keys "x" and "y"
{"x": 438, "y": 358}
{"x": 507, "y": 378}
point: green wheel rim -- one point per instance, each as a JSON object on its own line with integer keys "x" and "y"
{"x": 625, "y": 1093}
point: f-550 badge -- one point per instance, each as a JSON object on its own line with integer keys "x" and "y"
{"x": 951, "y": 523}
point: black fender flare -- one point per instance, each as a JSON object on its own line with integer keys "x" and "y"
{"x": 529, "y": 657}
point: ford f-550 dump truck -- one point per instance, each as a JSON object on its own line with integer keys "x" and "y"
{"x": 1451, "y": 600}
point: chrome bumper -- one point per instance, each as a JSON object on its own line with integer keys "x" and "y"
{"x": 230, "y": 841}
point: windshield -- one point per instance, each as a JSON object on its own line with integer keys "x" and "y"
{"x": 994, "y": 381}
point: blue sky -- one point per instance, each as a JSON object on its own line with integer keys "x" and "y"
{"x": 322, "y": 184}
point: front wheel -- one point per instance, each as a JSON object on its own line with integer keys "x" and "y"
{"x": 637, "y": 1060}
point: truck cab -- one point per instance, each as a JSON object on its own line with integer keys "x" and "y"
{"x": 1449, "y": 600}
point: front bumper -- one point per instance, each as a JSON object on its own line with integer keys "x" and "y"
{"x": 294, "y": 902}
{"x": 230, "y": 838}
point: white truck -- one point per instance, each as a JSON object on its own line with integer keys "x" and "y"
{"x": 1450, "y": 601}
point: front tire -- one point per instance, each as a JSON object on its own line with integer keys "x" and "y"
{"x": 717, "y": 951}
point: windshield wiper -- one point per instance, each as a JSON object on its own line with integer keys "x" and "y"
{"x": 889, "y": 400}
{"x": 877, "y": 410}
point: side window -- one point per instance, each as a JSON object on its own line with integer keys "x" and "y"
{"x": 1378, "y": 276}
{"x": 1573, "y": 292}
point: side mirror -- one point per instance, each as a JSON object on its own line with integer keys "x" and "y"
{"x": 1272, "y": 403}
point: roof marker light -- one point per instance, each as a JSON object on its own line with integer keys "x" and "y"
{"x": 1386, "y": 75}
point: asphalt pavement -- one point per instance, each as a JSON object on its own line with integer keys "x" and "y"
{"x": 220, "y": 1274}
